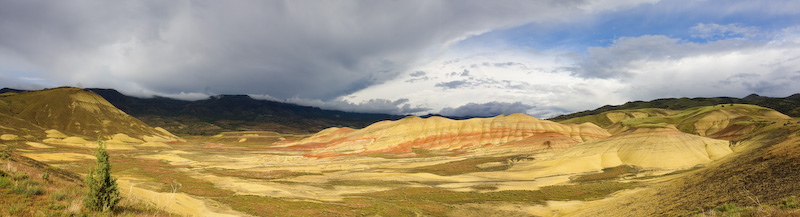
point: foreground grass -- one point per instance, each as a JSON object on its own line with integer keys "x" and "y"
{"x": 23, "y": 192}
{"x": 789, "y": 206}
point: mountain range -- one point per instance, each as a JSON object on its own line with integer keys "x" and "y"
{"x": 240, "y": 112}
{"x": 235, "y": 113}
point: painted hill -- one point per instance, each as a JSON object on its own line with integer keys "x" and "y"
{"x": 649, "y": 148}
{"x": 788, "y": 105}
{"x": 71, "y": 116}
{"x": 235, "y": 113}
{"x": 519, "y": 131}
{"x": 728, "y": 121}
{"x": 758, "y": 178}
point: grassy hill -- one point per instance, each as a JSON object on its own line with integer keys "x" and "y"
{"x": 788, "y": 105}
{"x": 235, "y": 113}
{"x": 721, "y": 121}
{"x": 70, "y": 111}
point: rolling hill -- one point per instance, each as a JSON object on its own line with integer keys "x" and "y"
{"x": 720, "y": 121}
{"x": 71, "y": 116}
{"x": 788, "y": 105}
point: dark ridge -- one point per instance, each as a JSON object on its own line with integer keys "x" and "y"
{"x": 789, "y": 105}
{"x": 7, "y": 90}
{"x": 453, "y": 117}
{"x": 235, "y": 113}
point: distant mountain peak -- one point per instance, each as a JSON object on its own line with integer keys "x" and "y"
{"x": 752, "y": 96}
{"x": 6, "y": 90}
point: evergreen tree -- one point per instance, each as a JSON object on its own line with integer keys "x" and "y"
{"x": 102, "y": 194}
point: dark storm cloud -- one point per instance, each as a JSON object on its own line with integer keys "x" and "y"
{"x": 487, "y": 109}
{"x": 309, "y": 49}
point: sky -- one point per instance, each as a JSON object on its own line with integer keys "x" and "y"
{"x": 459, "y": 58}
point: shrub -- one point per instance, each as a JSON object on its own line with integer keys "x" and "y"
{"x": 33, "y": 190}
{"x": 28, "y": 188}
{"x": 46, "y": 176}
{"x": 19, "y": 176}
{"x": 29, "y": 182}
{"x": 102, "y": 193}
{"x": 58, "y": 196}
{"x": 14, "y": 209}
{"x": 19, "y": 189}
{"x": 4, "y": 182}
{"x": 56, "y": 206}
{"x": 728, "y": 207}
{"x": 6, "y": 153}
{"x": 790, "y": 203}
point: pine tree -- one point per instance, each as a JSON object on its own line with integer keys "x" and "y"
{"x": 102, "y": 194}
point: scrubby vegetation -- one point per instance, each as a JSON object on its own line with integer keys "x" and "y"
{"x": 732, "y": 209}
{"x": 25, "y": 192}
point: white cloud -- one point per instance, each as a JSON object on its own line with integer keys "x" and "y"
{"x": 535, "y": 79}
{"x": 286, "y": 49}
{"x": 659, "y": 66}
{"x": 713, "y": 31}
{"x": 632, "y": 68}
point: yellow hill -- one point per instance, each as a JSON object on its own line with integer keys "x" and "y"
{"x": 759, "y": 177}
{"x": 660, "y": 148}
{"x": 71, "y": 113}
{"x": 438, "y": 133}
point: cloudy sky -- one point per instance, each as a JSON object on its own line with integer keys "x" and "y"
{"x": 540, "y": 57}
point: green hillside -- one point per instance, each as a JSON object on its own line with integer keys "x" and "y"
{"x": 72, "y": 111}
{"x": 788, "y": 105}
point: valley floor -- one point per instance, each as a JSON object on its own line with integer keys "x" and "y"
{"x": 239, "y": 174}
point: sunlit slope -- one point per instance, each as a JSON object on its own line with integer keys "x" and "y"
{"x": 650, "y": 148}
{"x": 760, "y": 174}
{"x": 437, "y": 133}
{"x": 72, "y": 115}
{"x": 721, "y": 121}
